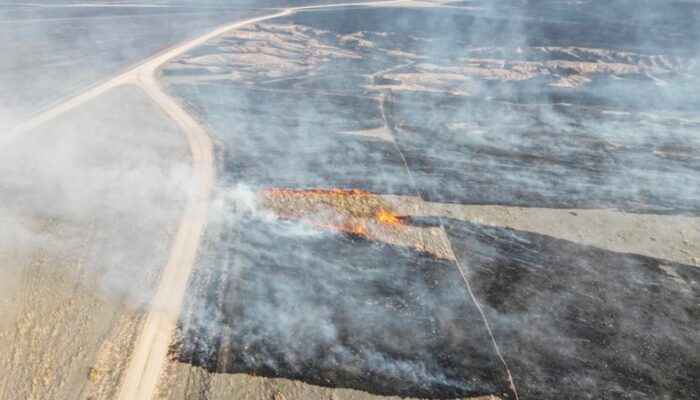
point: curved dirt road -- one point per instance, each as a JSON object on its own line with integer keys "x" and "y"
{"x": 150, "y": 351}
{"x": 142, "y": 376}
{"x": 149, "y": 355}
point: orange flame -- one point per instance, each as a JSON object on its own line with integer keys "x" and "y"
{"x": 352, "y": 228}
{"x": 387, "y": 217}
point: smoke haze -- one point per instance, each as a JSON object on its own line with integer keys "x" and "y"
{"x": 548, "y": 104}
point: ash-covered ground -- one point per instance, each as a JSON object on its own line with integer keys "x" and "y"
{"x": 339, "y": 310}
{"x": 425, "y": 198}
{"x": 542, "y": 105}
{"x": 520, "y": 112}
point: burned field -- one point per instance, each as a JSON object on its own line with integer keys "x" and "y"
{"x": 329, "y": 117}
{"x": 632, "y": 168}
{"x": 514, "y": 118}
{"x": 257, "y": 151}
{"x": 339, "y": 310}
{"x": 595, "y": 323}
{"x": 343, "y": 311}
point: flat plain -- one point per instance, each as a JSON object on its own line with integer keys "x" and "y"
{"x": 408, "y": 199}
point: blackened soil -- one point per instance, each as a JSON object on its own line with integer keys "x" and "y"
{"x": 511, "y": 155}
{"x": 340, "y": 311}
{"x": 578, "y": 322}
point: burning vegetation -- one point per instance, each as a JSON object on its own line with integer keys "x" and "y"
{"x": 355, "y": 212}
{"x": 384, "y": 216}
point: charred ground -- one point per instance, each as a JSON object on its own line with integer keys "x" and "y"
{"x": 353, "y": 313}
{"x": 539, "y": 106}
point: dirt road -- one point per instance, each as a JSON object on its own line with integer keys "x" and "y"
{"x": 150, "y": 353}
